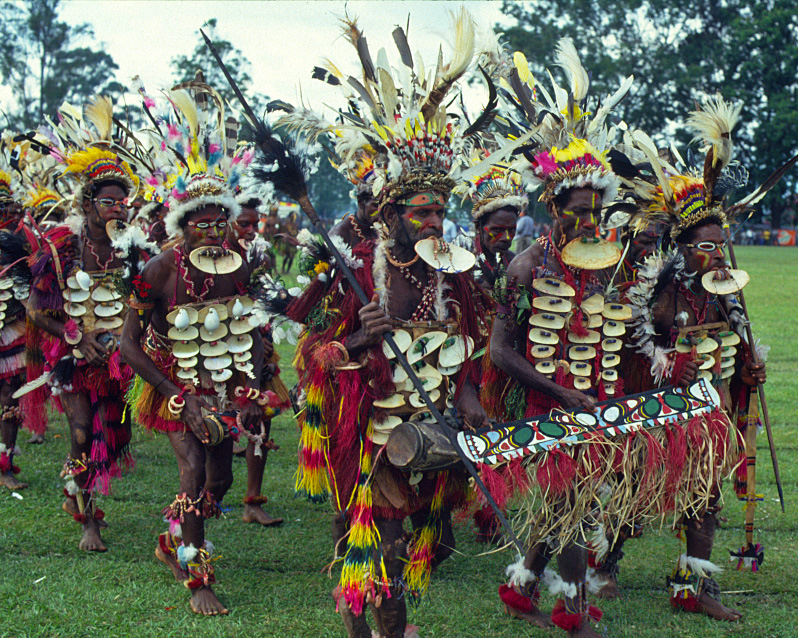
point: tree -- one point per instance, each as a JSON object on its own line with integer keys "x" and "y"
{"x": 680, "y": 51}
{"x": 43, "y": 62}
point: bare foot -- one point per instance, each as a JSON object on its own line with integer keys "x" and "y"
{"x": 585, "y": 631}
{"x": 91, "y": 541}
{"x": 171, "y": 563}
{"x": 534, "y": 617}
{"x": 411, "y": 631}
{"x": 70, "y": 506}
{"x": 609, "y": 589}
{"x": 254, "y": 514}
{"x": 12, "y": 482}
{"x": 205, "y": 603}
{"x": 36, "y": 439}
{"x": 711, "y": 607}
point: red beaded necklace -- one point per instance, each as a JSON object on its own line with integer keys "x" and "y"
{"x": 182, "y": 269}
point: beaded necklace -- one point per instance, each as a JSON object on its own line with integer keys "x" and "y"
{"x": 428, "y": 291}
{"x": 90, "y": 244}
{"x": 182, "y": 269}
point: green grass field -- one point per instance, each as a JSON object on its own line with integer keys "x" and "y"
{"x": 274, "y": 580}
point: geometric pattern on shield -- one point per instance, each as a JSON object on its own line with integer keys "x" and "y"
{"x": 613, "y": 417}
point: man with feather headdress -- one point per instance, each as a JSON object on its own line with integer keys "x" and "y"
{"x": 80, "y": 282}
{"x": 690, "y": 324}
{"x": 354, "y": 393}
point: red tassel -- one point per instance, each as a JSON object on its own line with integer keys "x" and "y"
{"x": 495, "y": 484}
{"x": 99, "y": 514}
{"x": 80, "y": 518}
{"x": 688, "y": 604}
{"x": 556, "y": 473}
{"x": 513, "y": 599}
{"x": 572, "y": 622}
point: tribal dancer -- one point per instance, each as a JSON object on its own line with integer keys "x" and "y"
{"x": 358, "y": 227}
{"x": 189, "y": 340}
{"x": 242, "y": 236}
{"x": 691, "y": 326}
{"x": 12, "y": 336}
{"x": 80, "y": 281}
{"x": 355, "y": 393}
{"x": 546, "y": 339}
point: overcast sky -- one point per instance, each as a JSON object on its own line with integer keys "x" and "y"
{"x": 282, "y": 40}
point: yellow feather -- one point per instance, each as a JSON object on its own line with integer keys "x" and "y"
{"x": 100, "y": 112}
{"x": 520, "y": 61}
{"x": 188, "y": 108}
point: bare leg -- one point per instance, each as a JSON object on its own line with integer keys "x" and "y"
{"x": 191, "y": 462}
{"x": 700, "y": 537}
{"x": 9, "y": 427}
{"x": 77, "y": 408}
{"x": 572, "y": 565}
{"x": 253, "y": 512}
{"x": 536, "y": 559}
{"x": 391, "y": 613}
{"x": 339, "y": 530}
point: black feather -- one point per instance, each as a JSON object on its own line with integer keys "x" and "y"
{"x": 522, "y": 94}
{"x": 365, "y": 58}
{"x": 279, "y": 105}
{"x": 320, "y": 73}
{"x": 621, "y": 165}
{"x": 278, "y": 162}
{"x": 489, "y": 113}
{"x": 666, "y": 275}
{"x": 15, "y": 250}
{"x": 732, "y": 178}
{"x": 400, "y": 39}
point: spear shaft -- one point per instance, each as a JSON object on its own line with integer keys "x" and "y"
{"x": 307, "y": 208}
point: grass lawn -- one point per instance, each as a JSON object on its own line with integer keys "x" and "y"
{"x": 274, "y": 580}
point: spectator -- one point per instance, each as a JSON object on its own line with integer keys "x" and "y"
{"x": 524, "y": 232}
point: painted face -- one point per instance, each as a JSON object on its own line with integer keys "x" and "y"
{"x": 580, "y": 215}
{"x": 422, "y": 222}
{"x": 12, "y": 211}
{"x": 108, "y": 203}
{"x": 498, "y": 230}
{"x": 704, "y": 251}
{"x": 369, "y": 206}
{"x": 643, "y": 244}
{"x": 206, "y": 226}
{"x": 245, "y": 226}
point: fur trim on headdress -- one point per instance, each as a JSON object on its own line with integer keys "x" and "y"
{"x": 203, "y": 190}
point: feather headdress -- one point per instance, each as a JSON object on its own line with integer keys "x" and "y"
{"x": 395, "y": 117}
{"x": 568, "y": 148}
{"x": 207, "y": 162}
{"x": 684, "y": 199}
{"x": 498, "y": 187}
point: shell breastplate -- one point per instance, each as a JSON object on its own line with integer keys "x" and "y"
{"x": 211, "y": 340}
{"x": 587, "y": 358}
{"x": 91, "y": 299}
{"x": 436, "y": 352}
{"x": 715, "y": 348}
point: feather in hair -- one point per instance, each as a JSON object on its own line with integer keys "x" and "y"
{"x": 568, "y": 60}
{"x": 646, "y": 144}
{"x": 100, "y": 112}
{"x": 712, "y": 125}
{"x": 187, "y": 109}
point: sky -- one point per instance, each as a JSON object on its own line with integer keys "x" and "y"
{"x": 282, "y": 40}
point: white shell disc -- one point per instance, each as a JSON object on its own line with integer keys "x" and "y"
{"x": 241, "y": 343}
{"x": 729, "y": 338}
{"x": 725, "y": 373}
{"x": 242, "y": 357}
{"x": 590, "y": 254}
{"x": 417, "y": 402}
{"x": 424, "y": 345}
{"x": 542, "y": 352}
{"x": 547, "y": 320}
{"x": 445, "y": 257}
{"x": 188, "y": 363}
{"x": 594, "y": 321}
{"x": 611, "y": 345}
{"x": 429, "y": 376}
{"x": 617, "y": 311}
{"x": 728, "y": 351}
{"x": 455, "y": 350}
{"x": 6, "y": 283}
{"x": 103, "y": 294}
{"x": 215, "y": 260}
{"x": 109, "y": 310}
{"x": 187, "y": 311}
{"x": 220, "y": 376}
{"x": 82, "y": 280}
{"x": 582, "y": 383}
{"x": 609, "y": 388}
{"x": 188, "y": 374}
{"x": 109, "y": 324}
{"x": 185, "y": 349}
{"x": 725, "y": 281}
{"x": 218, "y": 363}
{"x": 581, "y": 353}
{"x": 189, "y": 334}
{"x": 75, "y": 296}
{"x": 220, "y": 309}
{"x": 614, "y": 328}
{"x": 543, "y": 337}
{"x": 5, "y": 295}
{"x": 552, "y": 304}
{"x": 708, "y": 345}
{"x": 581, "y": 369}
{"x": 217, "y": 335}
{"x": 707, "y": 362}
{"x": 610, "y": 360}
{"x": 610, "y": 375}
{"x": 240, "y": 326}
{"x": 245, "y": 302}
{"x": 449, "y": 371}
{"x": 393, "y": 401}
{"x": 115, "y": 229}
{"x": 402, "y": 339}
{"x": 398, "y": 374}
{"x": 74, "y": 309}
{"x": 593, "y": 304}
{"x": 555, "y": 287}
{"x": 704, "y": 374}
{"x": 590, "y": 338}
{"x": 215, "y": 349}
{"x": 546, "y": 367}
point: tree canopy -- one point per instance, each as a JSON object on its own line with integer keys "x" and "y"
{"x": 680, "y": 51}
{"x": 45, "y": 61}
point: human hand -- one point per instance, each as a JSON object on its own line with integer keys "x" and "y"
{"x": 689, "y": 374}
{"x": 575, "y": 400}
{"x": 192, "y": 416}
{"x": 753, "y": 374}
{"x": 250, "y": 416}
{"x": 93, "y": 352}
{"x": 373, "y": 322}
